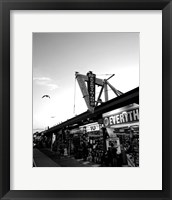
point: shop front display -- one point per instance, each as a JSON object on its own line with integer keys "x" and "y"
{"x": 93, "y": 141}
{"x": 122, "y": 126}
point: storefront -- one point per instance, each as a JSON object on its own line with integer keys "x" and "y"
{"x": 122, "y": 126}
{"x": 75, "y": 142}
{"x": 116, "y": 121}
{"x": 93, "y": 138}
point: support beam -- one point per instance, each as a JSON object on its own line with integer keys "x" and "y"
{"x": 106, "y": 92}
{"x": 99, "y": 95}
{"x": 84, "y": 91}
{"x": 117, "y": 92}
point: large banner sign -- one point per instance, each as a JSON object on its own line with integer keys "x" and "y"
{"x": 90, "y": 127}
{"x": 127, "y": 114}
{"x": 91, "y": 88}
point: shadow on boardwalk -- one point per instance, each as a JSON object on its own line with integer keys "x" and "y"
{"x": 67, "y": 161}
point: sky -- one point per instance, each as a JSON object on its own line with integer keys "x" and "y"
{"x": 56, "y": 58}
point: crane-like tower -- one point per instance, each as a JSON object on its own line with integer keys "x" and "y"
{"x": 88, "y": 83}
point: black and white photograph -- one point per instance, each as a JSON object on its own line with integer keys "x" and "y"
{"x": 85, "y": 99}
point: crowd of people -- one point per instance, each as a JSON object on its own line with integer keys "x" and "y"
{"x": 109, "y": 158}
{"x": 94, "y": 151}
{"x": 114, "y": 159}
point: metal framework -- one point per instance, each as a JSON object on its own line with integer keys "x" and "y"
{"x": 103, "y": 83}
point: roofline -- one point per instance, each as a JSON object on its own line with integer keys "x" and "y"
{"x": 127, "y": 98}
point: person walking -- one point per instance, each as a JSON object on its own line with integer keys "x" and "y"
{"x": 114, "y": 155}
{"x": 85, "y": 151}
{"x": 109, "y": 157}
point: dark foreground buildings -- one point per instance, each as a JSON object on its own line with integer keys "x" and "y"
{"x": 109, "y": 136}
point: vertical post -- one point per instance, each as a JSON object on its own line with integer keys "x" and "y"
{"x": 104, "y": 139}
{"x": 106, "y": 92}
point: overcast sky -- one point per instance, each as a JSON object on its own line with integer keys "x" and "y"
{"x": 56, "y": 57}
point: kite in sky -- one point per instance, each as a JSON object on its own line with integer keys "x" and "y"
{"x": 45, "y": 96}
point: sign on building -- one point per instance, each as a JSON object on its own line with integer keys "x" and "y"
{"x": 125, "y": 115}
{"x": 91, "y": 88}
{"x": 90, "y": 127}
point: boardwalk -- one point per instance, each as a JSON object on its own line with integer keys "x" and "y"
{"x": 41, "y": 160}
{"x": 46, "y": 158}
